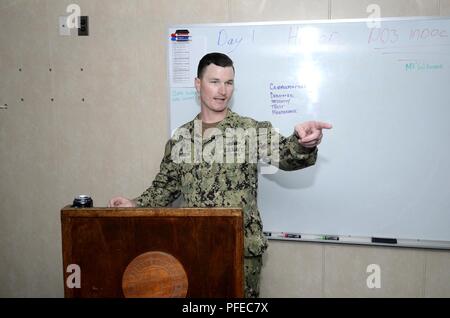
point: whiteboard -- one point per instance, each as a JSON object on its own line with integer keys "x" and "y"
{"x": 384, "y": 168}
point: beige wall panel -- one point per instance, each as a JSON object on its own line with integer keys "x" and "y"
{"x": 275, "y": 10}
{"x": 22, "y": 47}
{"x": 402, "y": 271}
{"x": 437, "y": 283}
{"x": 10, "y": 88}
{"x": 165, "y": 13}
{"x": 10, "y": 57}
{"x": 444, "y": 6}
{"x": 292, "y": 269}
{"x": 6, "y": 4}
{"x": 22, "y": 21}
{"x": 97, "y": 92}
{"x": 97, "y": 143}
{"x": 27, "y": 173}
{"x": 28, "y": 166}
{"x": 344, "y": 9}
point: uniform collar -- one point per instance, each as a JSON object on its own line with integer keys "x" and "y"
{"x": 226, "y": 122}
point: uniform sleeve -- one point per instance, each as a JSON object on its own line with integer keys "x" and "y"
{"x": 165, "y": 187}
{"x": 291, "y": 156}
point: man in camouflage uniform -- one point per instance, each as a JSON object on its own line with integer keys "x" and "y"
{"x": 209, "y": 172}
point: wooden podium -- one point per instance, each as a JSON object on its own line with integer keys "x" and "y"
{"x": 153, "y": 252}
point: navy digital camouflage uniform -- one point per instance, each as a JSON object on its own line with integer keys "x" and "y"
{"x": 211, "y": 184}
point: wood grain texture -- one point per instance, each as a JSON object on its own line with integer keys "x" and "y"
{"x": 103, "y": 241}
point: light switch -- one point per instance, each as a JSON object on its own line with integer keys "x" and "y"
{"x": 63, "y": 28}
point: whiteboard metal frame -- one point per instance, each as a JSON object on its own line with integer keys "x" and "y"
{"x": 315, "y": 21}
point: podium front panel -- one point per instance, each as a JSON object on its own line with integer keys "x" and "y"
{"x": 208, "y": 243}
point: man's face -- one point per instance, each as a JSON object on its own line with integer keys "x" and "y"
{"x": 215, "y": 88}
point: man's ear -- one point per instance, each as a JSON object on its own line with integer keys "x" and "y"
{"x": 197, "y": 84}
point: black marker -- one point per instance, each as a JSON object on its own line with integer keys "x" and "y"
{"x": 182, "y": 32}
{"x": 384, "y": 240}
{"x": 289, "y": 235}
{"x": 330, "y": 238}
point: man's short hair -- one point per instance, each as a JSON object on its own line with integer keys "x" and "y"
{"x": 215, "y": 58}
